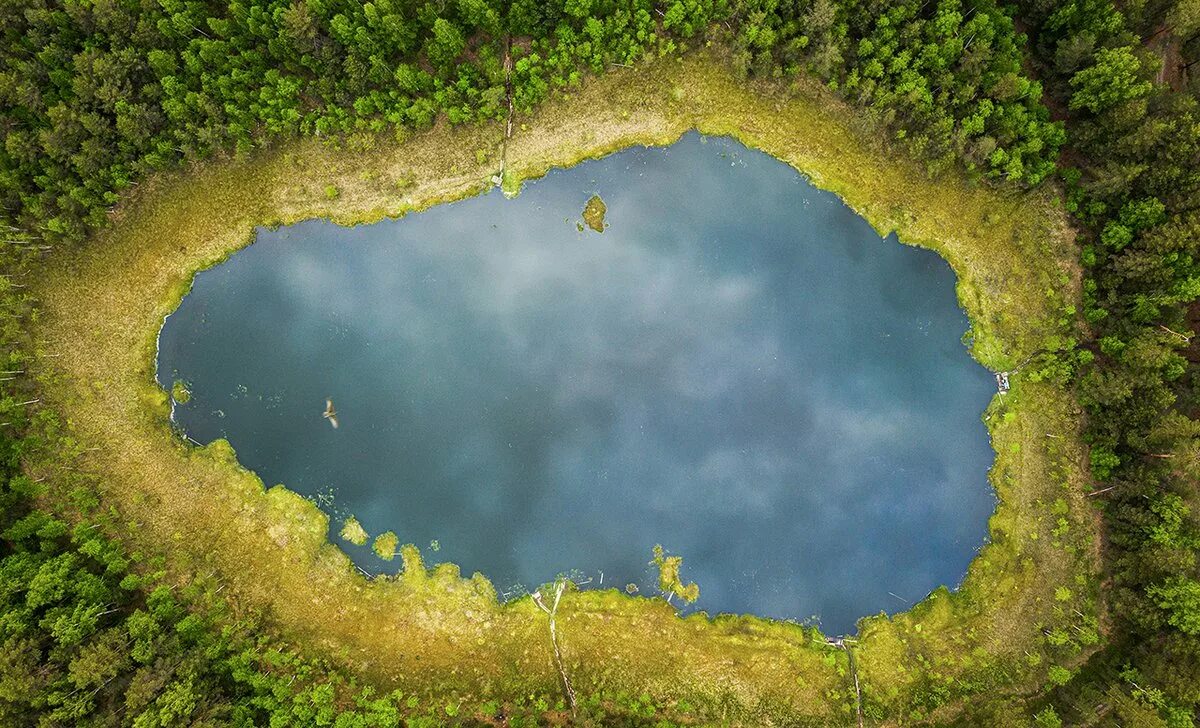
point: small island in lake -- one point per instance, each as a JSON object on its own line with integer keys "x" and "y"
{"x": 593, "y": 213}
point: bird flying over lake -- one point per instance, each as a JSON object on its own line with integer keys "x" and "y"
{"x": 330, "y": 413}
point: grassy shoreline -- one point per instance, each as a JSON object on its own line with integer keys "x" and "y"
{"x": 435, "y": 633}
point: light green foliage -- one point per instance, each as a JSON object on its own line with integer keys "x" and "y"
{"x": 446, "y": 44}
{"x": 1114, "y": 78}
{"x": 414, "y": 565}
{"x": 1058, "y": 675}
{"x": 1179, "y": 597}
{"x": 353, "y": 532}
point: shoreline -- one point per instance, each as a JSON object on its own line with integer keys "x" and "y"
{"x": 843, "y": 623}
{"x": 454, "y": 630}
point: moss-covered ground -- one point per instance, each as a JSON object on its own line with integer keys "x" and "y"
{"x": 1028, "y": 603}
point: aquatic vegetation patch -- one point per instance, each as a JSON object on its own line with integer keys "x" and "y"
{"x": 385, "y": 545}
{"x": 669, "y": 581}
{"x": 353, "y": 532}
{"x": 180, "y": 392}
{"x": 593, "y": 213}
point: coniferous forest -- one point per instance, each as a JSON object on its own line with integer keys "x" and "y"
{"x": 1097, "y": 99}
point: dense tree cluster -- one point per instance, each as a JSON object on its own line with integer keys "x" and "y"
{"x": 946, "y": 75}
{"x": 1134, "y": 185}
{"x": 85, "y": 641}
{"x": 94, "y": 95}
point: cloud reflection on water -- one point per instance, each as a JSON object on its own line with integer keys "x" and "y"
{"x": 738, "y": 368}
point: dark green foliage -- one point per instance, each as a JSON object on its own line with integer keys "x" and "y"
{"x": 1135, "y": 188}
{"x": 96, "y": 95}
{"x": 86, "y": 641}
{"x": 946, "y": 75}
{"x": 93, "y": 96}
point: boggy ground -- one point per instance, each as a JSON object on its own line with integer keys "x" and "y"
{"x": 1028, "y": 603}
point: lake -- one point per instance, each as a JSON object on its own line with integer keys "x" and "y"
{"x": 738, "y": 368}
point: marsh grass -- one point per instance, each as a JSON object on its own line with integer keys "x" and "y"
{"x": 385, "y": 545}
{"x": 429, "y": 631}
{"x": 353, "y": 532}
{"x": 180, "y": 392}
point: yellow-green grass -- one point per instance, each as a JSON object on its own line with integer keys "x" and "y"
{"x": 436, "y": 633}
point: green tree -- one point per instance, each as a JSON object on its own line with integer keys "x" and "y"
{"x": 1179, "y": 597}
{"x": 1114, "y": 77}
{"x": 445, "y": 45}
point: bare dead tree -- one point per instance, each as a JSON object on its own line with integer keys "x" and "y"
{"x": 1182, "y": 337}
{"x": 558, "y": 661}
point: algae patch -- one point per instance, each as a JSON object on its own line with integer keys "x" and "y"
{"x": 593, "y": 213}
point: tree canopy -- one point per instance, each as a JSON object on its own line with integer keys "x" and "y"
{"x": 97, "y": 95}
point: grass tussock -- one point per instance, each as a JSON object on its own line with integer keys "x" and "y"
{"x": 353, "y": 532}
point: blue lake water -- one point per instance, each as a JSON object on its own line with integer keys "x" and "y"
{"x": 739, "y": 368}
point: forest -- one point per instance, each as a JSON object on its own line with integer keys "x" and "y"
{"x": 1098, "y": 98}
{"x": 96, "y": 95}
